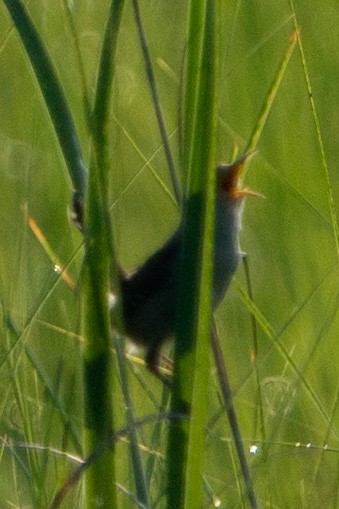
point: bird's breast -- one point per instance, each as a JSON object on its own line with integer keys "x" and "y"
{"x": 227, "y": 252}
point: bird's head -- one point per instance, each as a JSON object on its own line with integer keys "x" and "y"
{"x": 229, "y": 180}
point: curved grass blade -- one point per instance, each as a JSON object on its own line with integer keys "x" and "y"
{"x": 52, "y": 91}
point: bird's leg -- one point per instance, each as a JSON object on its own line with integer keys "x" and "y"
{"x": 167, "y": 361}
{"x": 152, "y": 362}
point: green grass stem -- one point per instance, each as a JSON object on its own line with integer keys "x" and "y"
{"x": 232, "y": 418}
{"x": 140, "y": 480}
{"x": 261, "y": 121}
{"x": 100, "y": 478}
{"x": 186, "y": 440}
{"x": 331, "y": 199}
{"x": 99, "y": 269}
{"x": 156, "y": 102}
{"x": 57, "y": 76}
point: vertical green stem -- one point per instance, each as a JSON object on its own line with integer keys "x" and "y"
{"x": 195, "y": 24}
{"x": 100, "y": 478}
{"x": 100, "y": 481}
{"x": 186, "y": 439}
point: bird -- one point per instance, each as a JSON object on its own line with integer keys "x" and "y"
{"x": 149, "y": 294}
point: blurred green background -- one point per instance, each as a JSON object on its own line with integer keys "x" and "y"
{"x": 288, "y": 405}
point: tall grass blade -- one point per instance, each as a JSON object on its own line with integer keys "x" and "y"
{"x": 194, "y": 43}
{"x": 232, "y": 417}
{"x": 99, "y": 251}
{"x": 97, "y": 361}
{"x": 52, "y": 91}
{"x": 186, "y": 440}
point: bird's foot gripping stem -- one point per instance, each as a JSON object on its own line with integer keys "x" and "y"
{"x": 152, "y": 362}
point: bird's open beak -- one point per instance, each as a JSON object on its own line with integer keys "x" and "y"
{"x": 229, "y": 178}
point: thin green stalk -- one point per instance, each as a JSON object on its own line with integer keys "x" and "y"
{"x": 142, "y": 490}
{"x": 258, "y": 128}
{"x": 99, "y": 254}
{"x": 147, "y": 164}
{"x": 330, "y": 195}
{"x": 260, "y": 413}
{"x": 100, "y": 119}
{"x": 333, "y": 413}
{"x": 186, "y": 440}
{"x": 156, "y": 102}
{"x": 232, "y": 418}
{"x": 52, "y": 91}
{"x": 157, "y": 433}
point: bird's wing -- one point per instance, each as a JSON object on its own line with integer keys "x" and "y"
{"x": 157, "y": 273}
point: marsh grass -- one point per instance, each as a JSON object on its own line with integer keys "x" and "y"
{"x": 279, "y": 92}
